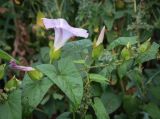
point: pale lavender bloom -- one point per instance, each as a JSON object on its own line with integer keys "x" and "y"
{"x": 63, "y": 31}
{"x": 101, "y": 37}
{"x": 13, "y": 65}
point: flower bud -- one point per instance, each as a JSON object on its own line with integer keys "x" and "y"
{"x": 35, "y": 74}
{"x": 143, "y": 47}
{"x": 126, "y": 53}
{"x": 54, "y": 54}
{"x": 12, "y": 84}
{"x": 96, "y": 52}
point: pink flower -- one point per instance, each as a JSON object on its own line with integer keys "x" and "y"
{"x": 101, "y": 37}
{"x": 13, "y": 65}
{"x": 63, "y": 31}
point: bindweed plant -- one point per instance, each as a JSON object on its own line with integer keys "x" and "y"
{"x": 78, "y": 78}
{"x": 78, "y": 74}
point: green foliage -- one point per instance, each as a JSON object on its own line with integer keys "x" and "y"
{"x": 33, "y": 92}
{"x": 149, "y": 54}
{"x": 98, "y": 78}
{"x": 123, "y": 41}
{"x": 130, "y": 104}
{"x": 12, "y": 105}
{"x": 67, "y": 78}
{"x": 5, "y": 56}
{"x": 99, "y": 109}
{"x": 111, "y": 101}
{"x": 153, "y": 110}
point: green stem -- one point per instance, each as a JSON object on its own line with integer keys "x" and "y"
{"x": 58, "y": 8}
{"x": 74, "y": 116}
{"x": 122, "y": 86}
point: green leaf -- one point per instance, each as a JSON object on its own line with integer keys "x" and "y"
{"x": 111, "y": 101}
{"x": 88, "y": 116}
{"x": 108, "y": 14}
{"x": 136, "y": 76}
{"x": 5, "y": 56}
{"x": 99, "y": 109}
{"x": 66, "y": 77}
{"x": 123, "y": 41}
{"x": 44, "y": 54}
{"x": 155, "y": 91}
{"x": 33, "y": 92}
{"x": 64, "y": 115}
{"x": 109, "y": 22}
{"x": 74, "y": 47}
{"x": 124, "y": 68}
{"x": 150, "y": 54}
{"x": 79, "y": 61}
{"x": 107, "y": 71}
{"x": 98, "y": 78}
{"x": 12, "y": 109}
{"x": 153, "y": 75}
{"x": 111, "y": 36}
{"x": 79, "y": 50}
{"x": 130, "y": 104}
{"x": 121, "y": 116}
{"x": 152, "y": 110}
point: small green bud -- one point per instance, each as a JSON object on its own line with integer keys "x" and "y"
{"x": 12, "y": 84}
{"x": 2, "y": 70}
{"x": 126, "y": 53}
{"x": 143, "y": 47}
{"x": 97, "y": 50}
{"x": 35, "y": 74}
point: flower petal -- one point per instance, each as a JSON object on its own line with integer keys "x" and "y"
{"x": 55, "y": 23}
{"x": 62, "y": 23}
{"x": 61, "y": 37}
{"x": 13, "y": 65}
{"x": 79, "y": 32}
{"x": 63, "y": 31}
{"x": 101, "y": 36}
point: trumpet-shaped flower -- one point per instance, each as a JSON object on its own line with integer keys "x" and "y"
{"x": 13, "y": 65}
{"x": 63, "y": 31}
{"x": 101, "y": 37}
